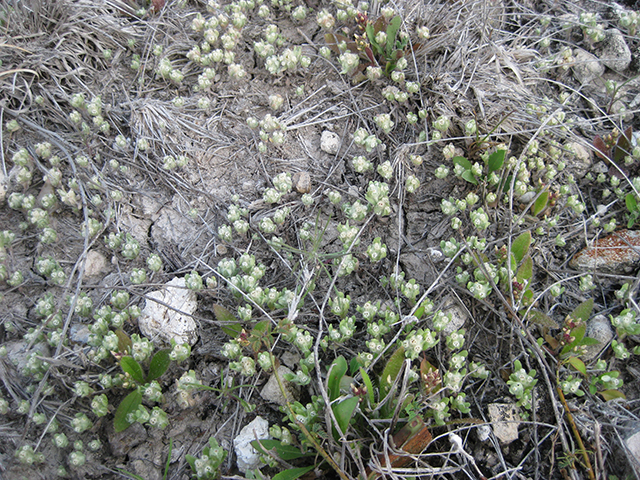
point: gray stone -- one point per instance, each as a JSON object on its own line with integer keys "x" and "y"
{"x": 582, "y": 158}
{"x": 459, "y": 317}
{"x": 96, "y": 264}
{"x": 173, "y": 228}
{"x": 302, "y": 182}
{"x": 121, "y": 443}
{"x": 599, "y": 327}
{"x": 632, "y": 443}
{"x": 587, "y": 67}
{"x": 247, "y": 456}
{"x": 290, "y": 359}
{"x": 146, "y": 461}
{"x": 329, "y": 142}
{"x": 271, "y": 391}
{"x": 505, "y": 421}
{"x": 613, "y": 50}
{"x": 79, "y": 333}
{"x": 170, "y": 319}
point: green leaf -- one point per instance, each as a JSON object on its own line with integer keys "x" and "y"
{"x": 469, "y": 177}
{"x": 343, "y": 411}
{"x": 392, "y": 31}
{"x": 623, "y": 146}
{"x": 223, "y": 315}
{"x": 463, "y": 162}
{"x": 578, "y": 334}
{"x": 232, "y": 326}
{"x": 191, "y": 460}
{"x": 541, "y": 203}
{"x": 612, "y": 395}
{"x": 366, "y": 379}
{"x": 631, "y": 202}
{"x": 583, "y": 311}
{"x": 336, "y": 372}
{"x": 578, "y": 364}
{"x": 133, "y": 368}
{"x": 520, "y": 246}
{"x": 132, "y": 475}
{"x": 332, "y": 42}
{"x": 536, "y": 316}
{"x": 124, "y": 341}
{"x": 391, "y": 371}
{"x": 525, "y": 272}
{"x": 284, "y": 452}
{"x": 496, "y": 160}
{"x": 159, "y": 364}
{"x": 166, "y": 465}
{"x": 293, "y": 473}
{"x": 129, "y": 404}
{"x": 371, "y": 35}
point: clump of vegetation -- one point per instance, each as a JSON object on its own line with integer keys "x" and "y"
{"x": 390, "y": 285}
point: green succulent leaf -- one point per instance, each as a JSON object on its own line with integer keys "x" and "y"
{"x": 159, "y": 364}
{"x": 129, "y": 404}
{"x": 133, "y": 368}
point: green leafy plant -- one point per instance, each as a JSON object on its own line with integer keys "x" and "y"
{"x": 207, "y": 466}
{"x": 377, "y": 43}
{"x": 136, "y": 378}
{"x": 473, "y": 172}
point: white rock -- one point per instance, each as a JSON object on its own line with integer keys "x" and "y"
{"x": 599, "y": 327}
{"x": 271, "y": 391}
{"x": 582, "y": 160}
{"x": 613, "y": 50}
{"x": 458, "y": 317}
{"x": 527, "y": 197}
{"x": 483, "y": 432}
{"x": 96, "y": 263}
{"x": 633, "y": 445}
{"x": 505, "y": 421}
{"x": 248, "y": 457}
{"x": 159, "y": 321}
{"x": 330, "y": 142}
{"x": 587, "y": 67}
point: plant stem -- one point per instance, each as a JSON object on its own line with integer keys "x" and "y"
{"x": 576, "y": 433}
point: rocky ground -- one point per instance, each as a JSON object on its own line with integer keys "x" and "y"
{"x": 144, "y": 146}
